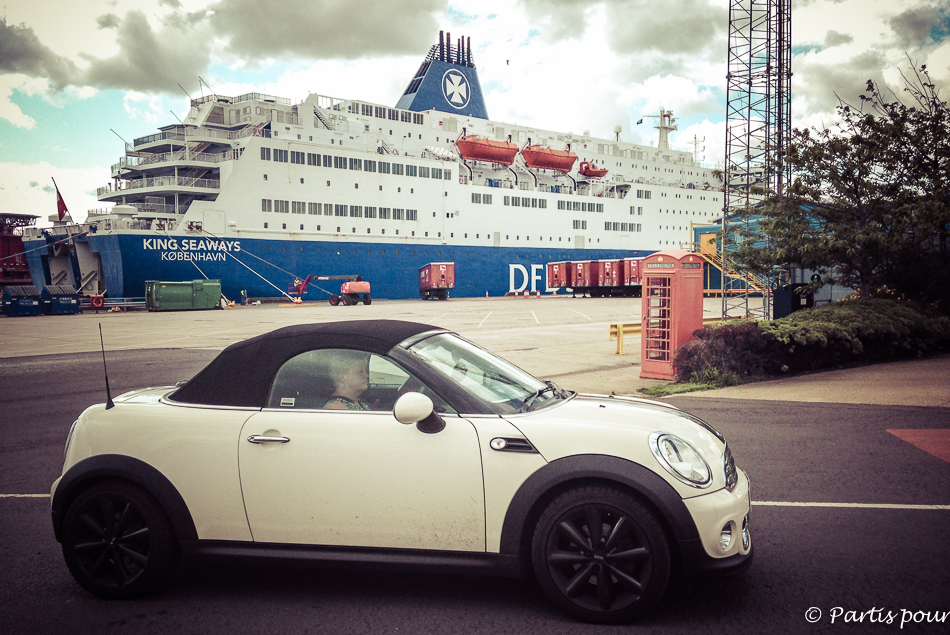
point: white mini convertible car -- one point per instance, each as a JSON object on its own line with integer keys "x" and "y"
{"x": 387, "y": 443}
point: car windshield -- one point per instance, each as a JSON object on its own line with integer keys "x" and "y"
{"x": 505, "y": 388}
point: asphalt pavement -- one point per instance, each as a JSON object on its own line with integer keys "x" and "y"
{"x": 849, "y": 474}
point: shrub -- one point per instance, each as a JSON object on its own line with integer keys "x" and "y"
{"x": 726, "y": 354}
{"x": 864, "y": 331}
{"x": 848, "y": 332}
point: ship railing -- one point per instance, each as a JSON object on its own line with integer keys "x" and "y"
{"x": 164, "y": 157}
{"x": 262, "y": 97}
{"x": 160, "y": 181}
{"x": 159, "y": 136}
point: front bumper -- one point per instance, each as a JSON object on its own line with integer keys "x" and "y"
{"x": 724, "y": 546}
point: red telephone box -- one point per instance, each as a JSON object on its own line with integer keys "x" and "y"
{"x": 672, "y": 308}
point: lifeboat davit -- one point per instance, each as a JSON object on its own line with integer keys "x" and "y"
{"x": 589, "y": 169}
{"x": 542, "y": 157}
{"x": 478, "y": 148}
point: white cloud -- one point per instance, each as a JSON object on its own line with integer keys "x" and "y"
{"x": 148, "y": 106}
{"x": 17, "y": 193}
{"x": 9, "y": 111}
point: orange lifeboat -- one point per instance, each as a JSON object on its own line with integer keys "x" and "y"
{"x": 589, "y": 169}
{"x": 478, "y": 148}
{"x": 542, "y": 157}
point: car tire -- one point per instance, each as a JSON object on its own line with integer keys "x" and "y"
{"x": 610, "y": 575}
{"x": 367, "y": 299}
{"x": 347, "y": 300}
{"x": 334, "y": 300}
{"x": 117, "y": 541}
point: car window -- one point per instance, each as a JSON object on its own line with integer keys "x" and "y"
{"x": 313, "y": 379}
{"x": 489, "y": 378}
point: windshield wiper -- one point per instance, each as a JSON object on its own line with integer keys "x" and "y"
{"x": 551, "y": 386}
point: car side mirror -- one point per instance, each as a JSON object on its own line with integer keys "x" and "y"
{"x": 414, "y": 407}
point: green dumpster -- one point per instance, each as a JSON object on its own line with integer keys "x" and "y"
{"x": 182, "y": 296}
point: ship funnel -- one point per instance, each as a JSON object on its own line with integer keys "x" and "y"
{"x": 447, "y": 81}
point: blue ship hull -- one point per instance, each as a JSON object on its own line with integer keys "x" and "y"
{"x": 268, "y": 267}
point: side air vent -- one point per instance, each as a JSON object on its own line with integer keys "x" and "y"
{"x": 512, "y": 444}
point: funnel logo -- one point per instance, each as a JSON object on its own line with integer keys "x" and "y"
{"x": 455, "y": 88}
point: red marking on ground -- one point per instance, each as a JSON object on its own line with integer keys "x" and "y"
{"x": 935, "y": 442}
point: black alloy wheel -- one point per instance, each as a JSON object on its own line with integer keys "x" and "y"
{"x": 117, "y": 541}
{"x": 601, "y": 555}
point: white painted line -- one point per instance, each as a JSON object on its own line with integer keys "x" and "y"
{"x": 579, "y": 313}
{"x": 535, "y": 317}
{"x": 483, "y": 320}
{"x": 436, "y": 318}
{"x": 857, "y": 505}
{"x": 24, "y": 495}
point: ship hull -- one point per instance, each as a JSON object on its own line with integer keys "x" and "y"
{"x": 268, "y": 267}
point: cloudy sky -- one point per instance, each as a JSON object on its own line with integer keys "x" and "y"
{"x": 73, "y": 71}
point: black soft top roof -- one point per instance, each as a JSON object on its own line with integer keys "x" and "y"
{"x": 241, "y": 374}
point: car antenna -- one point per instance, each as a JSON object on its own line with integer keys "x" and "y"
{"x": 109, "y": 402}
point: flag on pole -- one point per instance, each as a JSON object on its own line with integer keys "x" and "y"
{"x": 61, "y": 208}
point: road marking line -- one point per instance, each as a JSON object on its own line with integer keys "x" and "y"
{"x": 859, "y": 505}
{"x": 436, "y": 318}
{"x": 24, "y": 495}
{"x": 535, "y": 317}
{"x": 483, "y": 320}
{"x": 578, "y": 312}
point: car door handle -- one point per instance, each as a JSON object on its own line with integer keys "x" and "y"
{"x": 258, "y": 438}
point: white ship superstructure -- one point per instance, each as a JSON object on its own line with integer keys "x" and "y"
{"x": 255, "y": 187}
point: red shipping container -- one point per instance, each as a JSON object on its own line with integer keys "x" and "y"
{"x": 631, "y": 271}
{"x": 558, "y": 274}
{"x": 579, "y": 274}
{"x": 605, "y": 273}
{"x": 437, "y": 275}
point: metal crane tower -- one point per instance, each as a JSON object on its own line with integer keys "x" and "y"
{"x": 758, "y": 125}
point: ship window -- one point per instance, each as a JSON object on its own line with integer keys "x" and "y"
{"x": 265, "y": 154}
{"x": 265, "y": 227}
{"x": 447, "y": 174}
{"x": 301, "y": 229}
{"x": 284, "y": 227}
{"x": 265, "y": 177}
{"x": 266, "y": 205}
{"x": 301, "y": 180}
{"x": 327, "y": 160}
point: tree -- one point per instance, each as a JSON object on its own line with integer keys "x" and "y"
{"x": 869, "y": 202}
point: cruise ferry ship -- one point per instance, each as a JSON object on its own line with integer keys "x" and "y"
{"x": 260, "y": 192}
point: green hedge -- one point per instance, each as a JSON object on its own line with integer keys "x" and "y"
{"x": 844, "y": 333}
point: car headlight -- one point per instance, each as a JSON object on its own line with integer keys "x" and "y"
{"x": 680, "y": 459}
